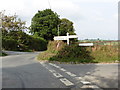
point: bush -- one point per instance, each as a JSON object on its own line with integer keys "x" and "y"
{"x": 73, "y": 53}
{"x": 52, "y": 49}
{"x": 19, "y": 40}
{"x": 38, "y": 44}
{"x": 9, "y": 44}
{"x": 3, "y": 54}
{"x": 76, "y": 54}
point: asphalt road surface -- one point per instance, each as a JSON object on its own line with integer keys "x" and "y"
{"x": 21, "y": 70}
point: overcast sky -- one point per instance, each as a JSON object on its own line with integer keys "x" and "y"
{"x": 92, "y": 18}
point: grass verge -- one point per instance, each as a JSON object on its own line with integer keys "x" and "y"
{"x": 60, "y": 52}
{"x": 3, "y": 54}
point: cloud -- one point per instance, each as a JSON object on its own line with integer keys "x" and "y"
{"x": 115, "y": 16}
{"x": 99, "y": 19}
{"x": 98, "y": 1}
{"x": 85, "y": 14}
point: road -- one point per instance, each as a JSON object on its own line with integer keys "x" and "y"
{"x": 21, "y": 70}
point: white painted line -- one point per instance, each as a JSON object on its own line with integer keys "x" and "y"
{"x": 51, "y": 64}
{"x": 57, "y": 75}
{"x": 66, "y": 82}
{"x": 46, "y": 67}
{"x": 56, "y": 66}
{"x": 88, "y": 73}
{"x": 78, "y": 78}
{"x": 85, "y": 82}
{"x": 71, "y": 74}
{"x": 52, "y": 71}
{"x": 42, "y": 62}
{"x": 62, "y": 69}
{"x": 89, "y": 86}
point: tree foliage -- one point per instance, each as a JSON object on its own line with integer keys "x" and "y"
{"x": 66, "y": 26}
{"x": 19, "y": 40}
{"x": 44, "y": 23}
{"x": 12, "y": 23}
{"x": 14, "y": 37}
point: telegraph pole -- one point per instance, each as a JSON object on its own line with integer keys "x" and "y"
{"x": 58, "y": 31}
{"x": 0, "y": 20}
{"x": 49, "y": 4}
{"x": 1, "y": 16}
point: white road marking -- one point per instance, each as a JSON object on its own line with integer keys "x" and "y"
{"x": 62, "y": 69}
{"x": 54, "y": 65}
{"x": 46, "y": 67}
{"x": 57, "y": 75}
{"x": 66, "y": 82}
{"x": 51, "y": 64}
{"x": 42, "y": 63}
{"x": 71, "y": 74}
{"x": 85, "y": 82}
{"x": 88, "y": 73}
{"x": 89, "y": 86}
{"x": 52, "y": 71}
{"x": 78, "y": 78}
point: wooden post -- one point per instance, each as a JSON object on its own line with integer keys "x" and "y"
{"x": 67, "y": 38}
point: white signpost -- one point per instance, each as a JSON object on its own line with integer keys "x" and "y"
{"x": 65, "y": 37}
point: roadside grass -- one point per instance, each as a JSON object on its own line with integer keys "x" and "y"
{"x": 58, "y": 51}
{"x": 105, "y": 54}
{"x": 73, "y": 54}
{"x": 52, "y": 50}
{"x": 3, "y": 54}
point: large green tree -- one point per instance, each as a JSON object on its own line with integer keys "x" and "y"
{"x": 66, "y": 26}
{"x": 45, "y": 24}
{"x": 14, "y": 37}
{"x": 11, "y": 25}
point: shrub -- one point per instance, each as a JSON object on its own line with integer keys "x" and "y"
{"x": 76, "y": 54}
{"x": 9, "y": 44}
{"x": 3, "y": 54}
{"x": 52, "y": 49}
{"x": 19, "y": 40}
{"x": 38, "y": 44}
{"x": 73, "y": 53}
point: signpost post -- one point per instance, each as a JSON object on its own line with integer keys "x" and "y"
{"x": 65, "y": 37}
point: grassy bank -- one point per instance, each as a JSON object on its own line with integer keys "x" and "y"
{"x": 105, "y": 53}
{"x": 59, "y": 51}
{"x": 3, "y": 54}
{"x": 52, "y": 50}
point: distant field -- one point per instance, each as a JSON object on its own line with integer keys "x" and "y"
{"x": 100, "y": 42}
